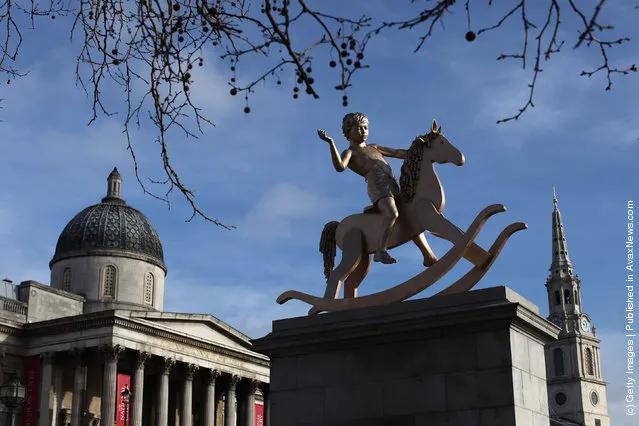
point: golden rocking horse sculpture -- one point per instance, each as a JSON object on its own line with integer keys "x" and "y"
{"x": 420, "y": 205}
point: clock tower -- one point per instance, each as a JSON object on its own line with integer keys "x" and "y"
{"x": 576, "y": 390}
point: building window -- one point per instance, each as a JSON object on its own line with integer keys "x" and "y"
{"x": 149, "y": 282}
{"x": 567, "y": 297}
{"x": 557, "y": 298}
{"x": 589, "y": 364}
{"x": 110, "y": 277}
{"x": 558, "y": 362}
{"x": 576, "y": 296}
{"x": 597, "y": 422}
{"x": 67, "y": 283}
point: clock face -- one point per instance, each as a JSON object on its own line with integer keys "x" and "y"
{"x": 584, "y": 324}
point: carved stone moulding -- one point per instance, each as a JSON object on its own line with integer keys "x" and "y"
{"x": 142, "y": 359}
{"x": 190, "y": 371}
{"x": 111, "y": 352}
{"x": 233, "y": 381}
{"x": 211, "y": 376}
{"x": 167, "y": 365}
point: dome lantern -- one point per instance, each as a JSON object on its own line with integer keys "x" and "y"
{"x": 113, "y": 186}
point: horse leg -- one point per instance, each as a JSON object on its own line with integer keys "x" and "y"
{"x": 357, "y": 276}
{"x": 438, "y": 225}
{"x": 352, "y": 251}
{"x": 427, "y": 252}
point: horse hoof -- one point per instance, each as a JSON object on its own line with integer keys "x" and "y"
{"x": 430, "y": 261}
{"x": 384, "y": 258}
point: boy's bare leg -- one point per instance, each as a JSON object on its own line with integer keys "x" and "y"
{"x": 389, "y": 210}
{"x": 427, "y": 252}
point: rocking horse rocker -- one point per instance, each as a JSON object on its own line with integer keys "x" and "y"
{"x": 420, "y": 205}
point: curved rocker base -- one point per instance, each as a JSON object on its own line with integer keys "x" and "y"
{"x": 423, "y": 280}
{"x": 472, "y": 277}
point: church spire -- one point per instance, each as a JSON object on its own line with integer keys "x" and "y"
{"x": 561, "y": 264}
{"x": 572, "y": 361}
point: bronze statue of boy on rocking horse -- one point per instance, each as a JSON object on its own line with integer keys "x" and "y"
{"x": 400, "y": 213}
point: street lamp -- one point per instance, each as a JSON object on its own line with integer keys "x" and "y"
{"x": 12, "y": 395}
{"x": 126, "y": 395}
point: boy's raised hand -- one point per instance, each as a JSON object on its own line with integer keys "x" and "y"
{"x": 322, "y": 134}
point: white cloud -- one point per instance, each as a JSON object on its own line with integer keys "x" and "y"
{"x": 274, "y": 215}
{"x": 211, "y": 92}
{"x": 71, "y": 154}
{"x": 557, "y": 97}
{"x": 50, "y": 88}
{"x": 250, "y": 310}
{"x": 497, "y": 90}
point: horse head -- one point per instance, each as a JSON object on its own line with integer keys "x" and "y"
{"x": 439, "y": 149}
{"x": 424, "y": 151}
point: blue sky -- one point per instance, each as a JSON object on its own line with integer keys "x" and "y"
{"x": 269, "y": 174}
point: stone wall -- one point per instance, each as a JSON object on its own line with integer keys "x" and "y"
{"x": 46, "y": 303}
{"x": 129, "y": 289}
{"x": 471, "y": 359}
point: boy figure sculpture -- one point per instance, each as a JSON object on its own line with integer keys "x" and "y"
{"x": 368, "y": 161}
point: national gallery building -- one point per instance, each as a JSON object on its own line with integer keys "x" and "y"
{"x": 96, "y": 348}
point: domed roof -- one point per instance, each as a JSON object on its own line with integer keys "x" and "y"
{"x": 110, "y": 228}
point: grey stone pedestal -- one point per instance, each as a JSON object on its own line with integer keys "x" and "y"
{"x": 471, "y": 359}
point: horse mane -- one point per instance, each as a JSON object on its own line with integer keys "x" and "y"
{"x": 411, "y": 168}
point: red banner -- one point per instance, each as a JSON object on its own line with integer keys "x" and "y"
{"x": 32, "y": 383}
{"x": 123, "y": 410}
{"x": 259, "y": 414}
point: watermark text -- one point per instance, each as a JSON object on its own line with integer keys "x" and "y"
{"x": 630, "y": 327}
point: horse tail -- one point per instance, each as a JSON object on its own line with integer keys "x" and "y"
{"x": 328, "y": 246}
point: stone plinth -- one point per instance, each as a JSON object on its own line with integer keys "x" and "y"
{"x": 472, "y": 359}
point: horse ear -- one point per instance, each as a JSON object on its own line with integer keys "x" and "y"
{"x": 433, "y": 127}
{"x": 439, "y": 130}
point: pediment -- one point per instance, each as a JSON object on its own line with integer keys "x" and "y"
{"x": 201, "y": 327}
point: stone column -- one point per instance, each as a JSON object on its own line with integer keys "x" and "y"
{"x": 250, "y": 402}
{"x": 138, "y": 389}
{"x": 3, "y": 355}
{"x": 267, "y": 404}
{"x": 187, "y": 396}
{"x": 108, "y": 401}
{"x": 45, "y": 389}
{"x": 79, "y": 385}
{"x": 163, "y": 394}
{"x": 209, "y": 409}
{"x": 230, "y": 403}
{"x": 57, "y": 395}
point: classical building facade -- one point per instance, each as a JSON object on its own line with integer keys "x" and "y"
{"x": 576, "y": 390}
{"x": 100, "y": 328}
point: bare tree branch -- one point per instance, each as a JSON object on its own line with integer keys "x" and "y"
{"x": 149, "y": 49}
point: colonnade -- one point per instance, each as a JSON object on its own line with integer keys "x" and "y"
{"x": 186, "y": 372}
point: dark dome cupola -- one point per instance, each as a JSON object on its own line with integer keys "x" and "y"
{"x": 111, "y": 227}
{"x": 110, "y": 253}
